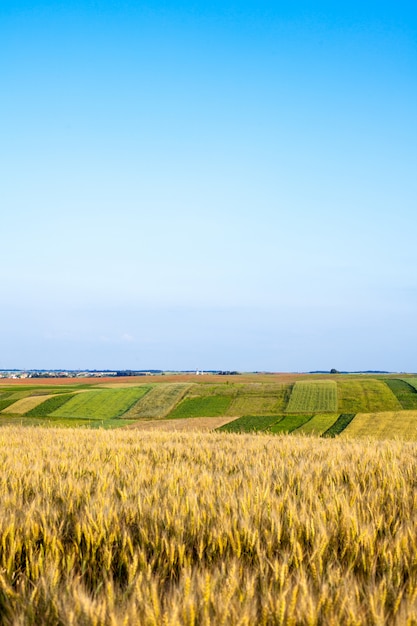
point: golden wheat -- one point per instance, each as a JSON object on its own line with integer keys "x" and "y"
{"x": 185, "y": 529}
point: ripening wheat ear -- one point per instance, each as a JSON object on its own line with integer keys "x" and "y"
{"x": 152, "y": 528}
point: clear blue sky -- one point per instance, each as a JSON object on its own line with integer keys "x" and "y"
{"x": 208, "y": 184}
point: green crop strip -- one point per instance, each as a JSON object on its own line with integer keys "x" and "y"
{"x": 289, "y": 423}
{"x": 339, "y": 425}
{"x": 405, "y": 393}
{"x": 49, "y": 406}
{"x": 7, "y": 402}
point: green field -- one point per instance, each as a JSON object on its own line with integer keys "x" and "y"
{"x": 158, "y": 402}
{"x": 317, "y": 425}
{"x": 101, "y": 404}
{"x": 313, "y": 396}
{"x": 365, "y": 395}
{"x": 210, "y": 406}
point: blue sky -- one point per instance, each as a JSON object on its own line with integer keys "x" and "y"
{"x": 216, "y": 185}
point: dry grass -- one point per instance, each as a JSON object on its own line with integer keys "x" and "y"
{"x": 185, "y": 529}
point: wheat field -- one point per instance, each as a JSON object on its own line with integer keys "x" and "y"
{"x": 130, "y": 527}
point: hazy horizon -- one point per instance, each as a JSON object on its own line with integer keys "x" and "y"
{"x": 219, "y": 185}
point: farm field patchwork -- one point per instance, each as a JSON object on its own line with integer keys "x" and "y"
{"x": 317, "y": 425}
{"x": 365, "y": 395}
{"x": 101, "y": 404}
{"x": 158, "y": 402}
{"x": 253, "y": 529}
{"x": 250, "y": 401}
{"x": 313, "y": 396}
{"x": 385, "y": 425}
